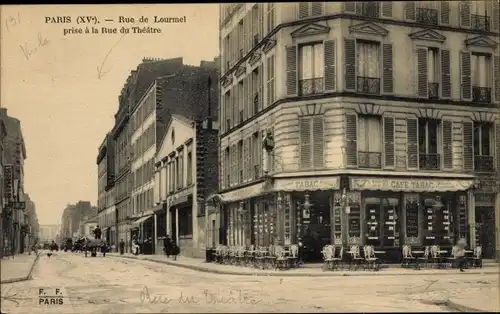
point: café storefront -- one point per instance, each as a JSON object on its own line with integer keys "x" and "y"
{"x": 389, "y": 213}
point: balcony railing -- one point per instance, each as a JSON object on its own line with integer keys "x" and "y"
{"x": 427, "y": 16}
{"x": 481, "y": 94}
{"x": 311, "y": 86}
{"x": 429, "y": 161}
{"x": 368, "y": 9}
{"x": 369, "y": 160}
{"x": 368, "y": 85}
{"x": 480, "y": 22}
{"x": 256, "y": 172}
{"x": 433, "y": 90}
{"x": 483, "y": 163}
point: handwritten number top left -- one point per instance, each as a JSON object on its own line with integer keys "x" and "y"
{"x": 12, "y": 21}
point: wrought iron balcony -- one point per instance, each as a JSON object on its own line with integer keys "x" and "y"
{"x": 480, "y": 22}
{"x": 433, "y": 90}
{"x": 369, "y": 160}
{"x": 311, "y": 86}
{"x": 429, "y": 161}
{"x": 368, "y": 9}
{"x": 256, "y": 103}
{"x": 427, "y": 16}
{"x": 481, "y": 94}
{"x": 256, "y": 172}
{"x": 483, "y": 163}
{"x": 368, "y": 85}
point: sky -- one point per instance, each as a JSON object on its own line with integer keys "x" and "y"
{"x": 64, "y": 89}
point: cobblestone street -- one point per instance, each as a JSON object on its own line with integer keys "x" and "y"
{"x": 105, "y": 285}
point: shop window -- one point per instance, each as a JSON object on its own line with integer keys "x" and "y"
{"x": 382, "y": 219}
{"x": 185, "y": 222}
{"x": 437, "y": 221}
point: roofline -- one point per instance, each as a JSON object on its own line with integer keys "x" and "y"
{"x": 143, "y": 97}
{"x": 172, "y": 117}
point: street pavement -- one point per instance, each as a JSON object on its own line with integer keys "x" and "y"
{"x": 114, "y": 285}
{"x": 16, "y": 268}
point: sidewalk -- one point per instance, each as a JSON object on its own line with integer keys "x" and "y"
{"x": 200, "y": 265}
{"x": 484, "y": 300}
{"x": 18, "y": 268}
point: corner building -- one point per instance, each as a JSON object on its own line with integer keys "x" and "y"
{"x": 384, "y": 118}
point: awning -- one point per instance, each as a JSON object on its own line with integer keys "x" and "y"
{"x": 308, "y": 184}
{"x": 411, "y": 185}
{"x": 239, "y": 194}
{"x": 141, "y": 220}
{"x": 181, "y": 200}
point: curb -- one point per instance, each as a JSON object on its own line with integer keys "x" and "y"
{"x": 459, "y": 307}
{"x": 14, "y": 280}
{"x": 288, "y": 274}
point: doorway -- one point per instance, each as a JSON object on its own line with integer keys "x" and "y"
{"x": 485, "y": 230}
{"x": 173, "y": 225}
{"x": 382, "y": 216}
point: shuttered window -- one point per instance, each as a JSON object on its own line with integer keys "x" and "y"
{"x": 291, "y": 70}
{"x": 256, "y": 151}
{"x": 483, "y": 139}
{"x": 387, "y": 62}
{"x": 468, "y": 146}
{"x": 311, "y": 142}
{"x": 495, "y": 16}
{"x": 465, "y": 73}
{"x": 389, "y": 153}
{"x": 245, "y": 104}
{"x": 311, "y": 62}
{"x": 351, "y": 134}
{"x": 422, "y": 73}
{"x": 245, "y": 160}
{"x": 497, "y": 145}
{"x": 412, "y": 143}
{"x": 350, "y": 64}
{"x": 447, "y": 144}
{"x": 387, "y": 9}
{"x": 496, "y": 77}
{"x": 445, "y": 74}
{"x": 465, "y": 14}
{"x": 271, "y": 17}
{"x": 445, "y": 12}
{"x": 240, "y": 161}
{"x": 310, "y": 9}
{"x": 410, "y": 10}
{"x": 271, "y": 97}
{"x": 330, "y": 65}
{"x": 349, "y": 7}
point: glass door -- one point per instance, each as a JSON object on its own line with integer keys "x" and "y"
{"x": 390, "y": 222}
{"x": 373, "y": 216}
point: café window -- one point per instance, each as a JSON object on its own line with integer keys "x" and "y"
{"x": 382, "y": 219}
{"x": 185, "y": 222}
{"x": 438, "y": 220}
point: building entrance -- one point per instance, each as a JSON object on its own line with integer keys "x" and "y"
{"x": 485, "y": 230}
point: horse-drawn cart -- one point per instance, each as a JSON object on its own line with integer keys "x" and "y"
{"x": 94, "y": 245}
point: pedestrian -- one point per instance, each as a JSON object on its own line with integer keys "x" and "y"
{"x": 460, "y": 254}
{"x": 122, "y": 247}
{"x": 97, "y": 232}
{"x": 174, "y": 249}
{"x": 166, "y": 245}
{"x": 135, "y": 247}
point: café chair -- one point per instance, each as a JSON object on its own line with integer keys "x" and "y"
{"x": 356, "y": 259}
{"x": 337, "y": 258}
{"x": 477, "y": 258}
{"x": 293, "y": 256}
{"x": 408, "y": 258}
{"x": 424, "y": 259}
{"x": 452, "y": 259}
{"x": 281, "y": 259}
{"x": 435, "y": 256}
{"x": 271, "y": 257}
{"x": 371, "y": 261}
{"x": 328, "y": 254}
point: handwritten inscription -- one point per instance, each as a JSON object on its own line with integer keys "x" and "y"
{"x": 210, "y": 297}
{"x": 12, "y": 21}
{"x": 30, "y": 50}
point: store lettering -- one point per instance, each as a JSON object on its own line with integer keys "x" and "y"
{"x": 307, "y": 184}
{"x": 412, "y": 184}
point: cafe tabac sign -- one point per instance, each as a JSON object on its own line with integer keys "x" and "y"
{"x": 411, "y": 185}
{"x": 303, "y": 184}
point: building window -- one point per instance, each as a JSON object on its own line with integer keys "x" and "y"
{"x": 228, "y": 110}
{"x": 227, "y": 168}
{"x": 240, "y": 161}
{"x": 270, "y": 17}
{"x": 309, "y": 9}
{"x": 428, "y": 144}
{"x": 239, "y": 102}
{"x": 368, "y": 67}
{"x": 481, "y": 78}
{"x": 185, "y": 222}
{"x": 311, "y": 142}
{"x": 483, "y": 143}
{"x": 369, "y": 141}
{"x": 256, "y": 151}
{"x": 427, "y": 13}
{"x": 312, "y": 69}
{"x": 480, "y": 19}
{"x": 255, "y": 90}
{"x": 270, "y": 80}
{"x": 433, "y": 72}
{"x": 189, "y": 169}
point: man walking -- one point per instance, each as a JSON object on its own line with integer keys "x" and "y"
{"x": 460, "y": 254}
{"x": 97, "y": 232}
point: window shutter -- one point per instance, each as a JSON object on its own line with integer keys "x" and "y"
{"x": 245, "y": 98}
{"x": 389, "y": 141}
{"x": 422, "y": 80}
{"x": 261, "y": 87}
{"x": 445, "y": 12}
{"x": 291, "y": 70}
{"x": 245, "y": 160}
{"x": 317, "y": 8}
{"x": 303, "y": 10}
{"x": 465, "y": 13}
{"x": 410, "y": 10}
{"x": 497, "y": 145}
{"x": 388, "y": 73}
{"x": 468, "y": 146}
{"x": 251, "y": 95}
{"x": 359, "y": 8}
{"x": 350, "y": 64}
{"x": 447, "y": 144}
{"x": 270, "y": 80}
{"x": 445, "y": 74}
{"x": 305, "y": 143}
{"x": 495, "y": 16}
{"x": 330, "y": 73}
{"x": 465, "y": 72}
{"x": 350, "y": 7}
{"x": 317, "y": 138}
{"x": 222, "y": 172}
{"x": 412, "y": 135}
{"x": 249, "y": 158}
{"x": 351, "y": 134}
{"x": 496, "y": 77}
{"x": 261, "y": 156}
{"x": 387, "y": 9}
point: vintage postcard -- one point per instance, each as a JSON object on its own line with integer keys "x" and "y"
{"x": 250, "y": 157}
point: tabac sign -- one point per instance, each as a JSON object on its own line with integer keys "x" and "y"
{"x": 411, "y": 185}
{"x": 8, "y": 171}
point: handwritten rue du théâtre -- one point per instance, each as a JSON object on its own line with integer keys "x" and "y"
{"x": 96, "y": 25}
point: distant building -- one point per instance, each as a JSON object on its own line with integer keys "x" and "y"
{"x": 73, "y": 215}
{"x": 32, "y": 216}
{"x": 48, "y": 233}
{"x": 87, "y": 226}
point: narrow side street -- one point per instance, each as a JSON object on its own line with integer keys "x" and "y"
{"x": 103, "y": 285}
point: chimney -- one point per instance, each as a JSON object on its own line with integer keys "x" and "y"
{"x": 209, "y": 90}
{"x": 3, "y": 112}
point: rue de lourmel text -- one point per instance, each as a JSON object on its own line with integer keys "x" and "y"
{"x": 79, "y": 25}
